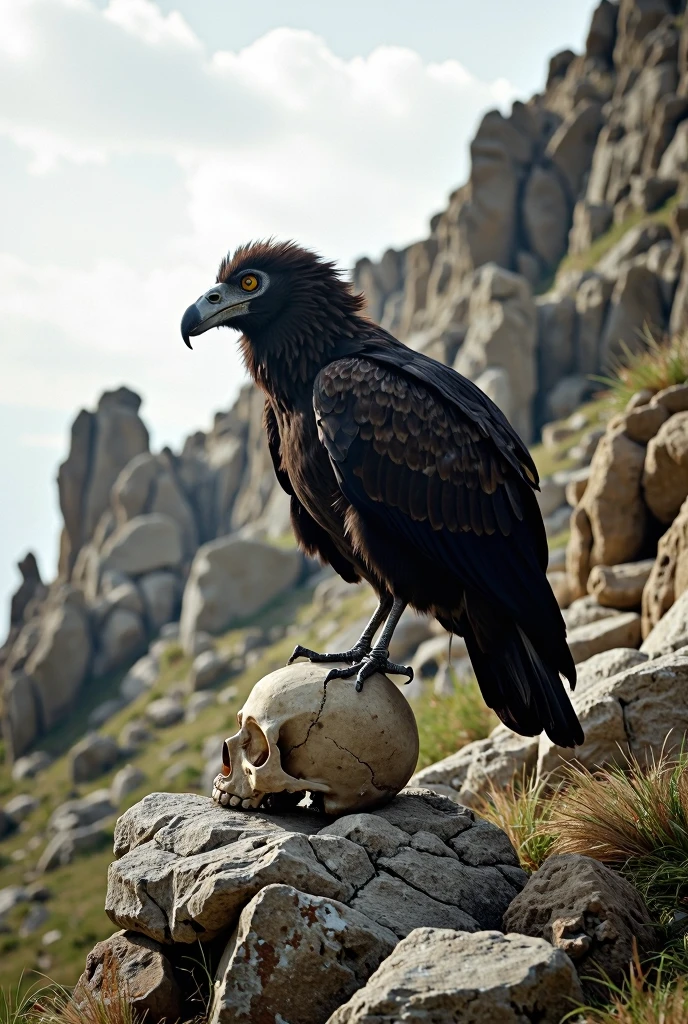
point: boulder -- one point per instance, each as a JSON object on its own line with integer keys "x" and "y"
{"x": 586, "y": 610}
{"x": 642, "y": 424}
{"x": 122, "y": 640}
{"x": 165, "y": 711}
{"x": 640, "y": 711}
{"x": 607, "y": 664}
{"x": 636, "y": 306}
{"x": 502, "y": 332}
{"x": 21, "y": 806}
{"x": 207, "y": 669}
{"x": 161, "y": 592}
{"x": 671, "y": 632}
{"x": 621, "y": 630}
{"x": 620, "y": 586}
{"x": 149, "y": 484}
{"x": 142, "y": 676}
{"x": 66, "y": 845}
{"x": 331, "y": 949}
{"x": 551, "y": 496}
{"x": 125, "y": 782}
{"x": 187, "y": 867}
{"x": 85, "y": 811}
{"x": 143, "y": 971}
{"x": 232, "y": 579}
{"x": 144, "y": 544}
{"x": 469, "y": 773}
{"x": 665, "y": 477}
{"x": 608, "y": 525}
{"x": 669, "y": 576}
{"x": 545, "y": 212}
{"x": 436, "y": 974}
{"x": 30, "y": 765}
{"x": 571, "y": 148}
{"x": 92, "y": 756}
{"x": 589, "y": 912}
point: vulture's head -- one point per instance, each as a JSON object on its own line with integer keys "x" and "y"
{"x": 276, "y": 294}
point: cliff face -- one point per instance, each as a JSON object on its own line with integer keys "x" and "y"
{"x": 604, "y": 143}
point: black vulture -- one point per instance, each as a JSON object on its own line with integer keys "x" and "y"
{"x": 403, "y": 473}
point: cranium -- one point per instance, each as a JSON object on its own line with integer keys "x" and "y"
{"x": 349, "y": 750}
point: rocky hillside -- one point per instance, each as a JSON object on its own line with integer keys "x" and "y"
{"x": 178, "y": 587}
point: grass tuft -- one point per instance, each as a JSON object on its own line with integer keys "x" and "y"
{"x": 635, "y": 818}
{"x": 523, "y": 809}
{"x": 649, "y": 996}
{"x": 659, "y": 365}
{"x": 110, "y": 1004}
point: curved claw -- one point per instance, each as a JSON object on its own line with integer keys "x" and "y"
{"x": 367, "y": 667}
{"x": 355, "y": 654}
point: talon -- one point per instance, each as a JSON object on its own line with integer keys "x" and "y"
{"x": 376, "y": 661}
{"x": 355, "y": 654}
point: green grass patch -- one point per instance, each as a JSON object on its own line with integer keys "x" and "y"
{"x": 659, "y": 365}
{"x": 445, "y": 724}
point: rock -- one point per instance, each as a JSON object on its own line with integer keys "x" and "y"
{"x": 125, "y": 782}
{"x": 412, "y": 630}
{"x": 620, "y": 586}
{"x": 30, "y": 765}
{"x": 561, "y": 587}
{"x": 232, "y": 579}
{"x": 197, "y": 703}
{"x": 584, "y": 611}
{"x": 36, "y": 917}
{"x": 92, "y": 756}
{"x": 545, "y": 212}
{"x": 151, "y": 484}
{"x": 558, "y": 521}
{"x": 125, "y": 596}
{"x": 51, "y": 937}
{"x": 640, "y": 711}
{"x": 642, "y": 424}
{"x": 590, "y": 220}
{"x": 143, "y": 971}
{"x": 331, "y": 949}
{"x": 634, "y": 242}
{"x": 21, "y": 806}
{"x": 6, "y": 824}
{"x": 665, "y": 478}
{"x": 198, "y": 643}
{"x": 551, "y": 496}
{"x": 142, "y": 676}
{"x": 502, "y": 328}
{"x": 134, "y": 735}
{"x": 434, "y": 653}
{"x": 471, "y": 771}
{"x": 102, "y": 444}
{"x": 669, "y": 576}
{"x": 10, "y": 897}
{"x": 144, "y": 544}
{"x": 674, "y": 399}
{"x": 64, "y": 846}
{"x": 608, "y": 525}
{"x": 636, "y": 305}
{"x": 76, "y": 813}
{"x": 161, "y": 592}
{"x": 571, "y": 148}
{"x": 671, "y": 632}
{"x": 122, "y": 639}
{"x": 617, "y": 631}
{"x": 607, "y": 664}
{"x": 589, "y": 912}
{"x": 165, "y": 711}
{"x": 202, "y": 863}
{"x": 439, "y": 975}
{"x": 207, "y": 668}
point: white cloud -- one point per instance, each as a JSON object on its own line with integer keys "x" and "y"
{"x": 282, "y": 138}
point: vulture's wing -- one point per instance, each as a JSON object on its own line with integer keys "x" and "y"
{"x": 440, "y": 482}
{"x": 311, "y": 536}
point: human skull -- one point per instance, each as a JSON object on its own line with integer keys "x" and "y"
{"x": 349, "y": 750}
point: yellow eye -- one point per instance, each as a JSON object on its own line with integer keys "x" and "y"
{"x": 249, "y": 282}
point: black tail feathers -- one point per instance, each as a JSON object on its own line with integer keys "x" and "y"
{"x": 526, "y": 693}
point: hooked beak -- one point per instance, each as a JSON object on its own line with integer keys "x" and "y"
{"x": 220, "y": 304}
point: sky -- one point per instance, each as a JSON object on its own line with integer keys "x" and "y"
{"x": 142, "y": 139}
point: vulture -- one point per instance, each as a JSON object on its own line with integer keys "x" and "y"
{"x": 401, "y": 472}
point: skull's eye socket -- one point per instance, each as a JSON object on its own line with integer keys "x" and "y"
{"x": 249, "y": 282}
{"x": 255, "y": 745}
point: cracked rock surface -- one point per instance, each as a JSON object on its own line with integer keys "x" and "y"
{"x": 587, "y": 910}
{"x": 295, "y": 957}
{"x": 187, "y": 867}
{"x": 439, "y": 975}
{"x": 641, "y": 710}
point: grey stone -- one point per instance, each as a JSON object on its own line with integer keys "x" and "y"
{"x": 30, "y": 765}
{"x": 92, "y": 756}
{"x": 85, "y": 811}
{"x": 144, "y": 544}
{"x": 21, "y": 806}
{"x": 65, "y": 846}
{"x": 207, "y": 668}
{"x": 436, "y": 974}
{"x": 671, "y": 632}
{"x": 161, "y": 592}
{"x": 125, "y": 782}
{"x": 622, "y": 630}
{"x": 164, "y": 712}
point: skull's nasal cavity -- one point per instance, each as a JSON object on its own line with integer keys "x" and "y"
{"x": 226, "y": 760}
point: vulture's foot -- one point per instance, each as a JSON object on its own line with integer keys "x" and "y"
{"x": 376, "y": 661}
{"x": 357, "y": 652}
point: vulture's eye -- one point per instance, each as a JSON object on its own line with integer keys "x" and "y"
{"x": 249, "y": 282}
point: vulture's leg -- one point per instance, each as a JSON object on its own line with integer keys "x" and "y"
{"x": 362, "y": 645}
{"x": 377, "y": 660}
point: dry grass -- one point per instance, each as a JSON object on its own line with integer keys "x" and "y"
{"x": 445, "y": 724}
{"x": 635, "y": 818}
{"x": 648, "y": 997}
{"x": 109, "y": 1004}
{"x": 523, "y": 809}
{"x": 659, "y": 365}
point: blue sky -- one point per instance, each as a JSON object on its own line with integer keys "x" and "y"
{"x": 139, "y": 139}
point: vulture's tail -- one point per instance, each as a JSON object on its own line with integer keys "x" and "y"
{"x": 525, "y": 692}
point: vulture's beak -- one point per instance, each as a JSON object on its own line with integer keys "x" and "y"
{"x": 217, "y": 306}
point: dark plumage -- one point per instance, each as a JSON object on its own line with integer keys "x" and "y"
{"x": 403, "y": 473}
